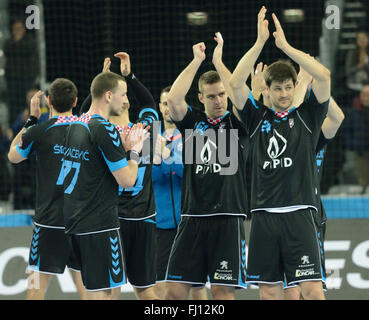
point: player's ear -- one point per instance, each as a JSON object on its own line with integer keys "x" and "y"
{"x": 75, "y": 102}
{"x": 107, "y": 96}
{"x": 201, "y": 98}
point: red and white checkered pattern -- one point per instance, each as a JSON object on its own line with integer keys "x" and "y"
{"x": 282, "y": 114}
{"x": 86, "y": 117}
{"x": 66, "y": 119}
{"x": 214, "y": 121}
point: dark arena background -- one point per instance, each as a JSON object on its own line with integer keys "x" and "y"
{"x": 71, "y": 39}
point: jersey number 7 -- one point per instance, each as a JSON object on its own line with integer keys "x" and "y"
{"x": 66, "y": 167}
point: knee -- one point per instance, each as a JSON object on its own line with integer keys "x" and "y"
{"x": 146, "y": 294}
{"x": 313, "y": 292}
{"x": 222, "y": 293}
{"x": 292, "y": 293}
{"x": 267, "y": 292}
{"x": 177, "y": 291}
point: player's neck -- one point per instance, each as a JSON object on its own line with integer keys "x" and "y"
{"x": 99, "y": 109}
{"x": 60, "y": 114}
{"x": 121, "y": 120}
{"x": 276, "y": 109}
{"x": 169, "y": 125}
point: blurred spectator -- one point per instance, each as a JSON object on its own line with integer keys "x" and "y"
{"x": 5, "y": 182}
{"x": 23, "y": 115}
{"x": 357, "y": 63}
{"x": 357, "y": 136}
{"x": 24, "y": 173}
{"x": 21, "y": 67}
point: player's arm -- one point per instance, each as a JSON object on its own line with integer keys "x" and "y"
{"x": 258, "y": 85}
{"x": 304, "y": 80}
{"x": 177, "y": 94}
{"x": 140, "y": 92}
{"x": 333, "y": 120}
{"x": 240, "y": 91}
{"x": 322, "y": 77}
{"x": 16, "y": 153}
{"x": 86, "y": 104}
{"x": 224, "y": 74}
{"x": 161, "y": 152}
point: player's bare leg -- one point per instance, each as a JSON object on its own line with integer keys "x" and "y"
{"x": 146, "y": 293}
{"x": 37, "y": 285}
{"x": 160, "y": 289}
{"x": 312, "y": 290}
{"x": 292, "y": 293}
{"x": 177, "y": 291}
{"x": 198, "y": 294}
{"x": 77, "y": 278}
{"x": 222, "y": 292}
{"x": 100, "y": 295}
{"x": 270, "y": 291}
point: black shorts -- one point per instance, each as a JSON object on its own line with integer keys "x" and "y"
{"x": 100, "y": 259}
{"x": 49, "y": 251}
{"x": 209, "y": 249}
{"x": 284, "y": 246}
{"x": 164, "y": 242}
{"x": 139, "y": 246}
{"x": 321, "y": 236}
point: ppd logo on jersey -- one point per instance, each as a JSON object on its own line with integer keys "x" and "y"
{"x": 277, "y": 145}
{"x": 213, "y": 151}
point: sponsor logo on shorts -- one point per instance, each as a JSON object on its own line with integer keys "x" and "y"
{"x": 305, "y": 260}
{"x": 223, "y": 273}
{"x": 219, "y": 276}
{"x": 304, "y": 273}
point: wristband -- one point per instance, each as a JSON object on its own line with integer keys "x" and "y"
{"x": 30, "y": 121}
{"x": 130, "y": 76}
{"x": 133, "y": 155}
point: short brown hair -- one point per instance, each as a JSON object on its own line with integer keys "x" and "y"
{"x": 62, "y": 93}
{"x": 103, "y": 82}
{"x": 280, "y": 71}
{"x": 166, "y": 89}
{"x": 209, "y": 77}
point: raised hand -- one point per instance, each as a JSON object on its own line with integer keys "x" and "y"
{"x": 35, "y": 109}
{"x": 199, "y": 51}
{"x": 280, "y": 38}
{"x": 133, "y": 138}
{"x": 107, "y": 63}
{"x": 218, "y": 51}
{"x": 263, "y": 31}
{"x": 125, "y": 63}
{"x": 258, "y": 84}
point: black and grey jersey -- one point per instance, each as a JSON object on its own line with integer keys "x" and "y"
{"x": 92, "y": 151}
{"x": 214, "y": 173}
{"x": 138, "y": 202}
{"x": 283, "y": 155}
{"x": 321, "y": 149}
{"x": 45, "y": 139}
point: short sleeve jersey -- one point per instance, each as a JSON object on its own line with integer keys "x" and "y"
{"x": 214, "y": 157}
{"x": 138, "y": 202}
{"x": 92, "y": 151}
{"x": 321, "y": 148}
{"x": 45, "y": 140}
{"x": 283, "y": 155}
